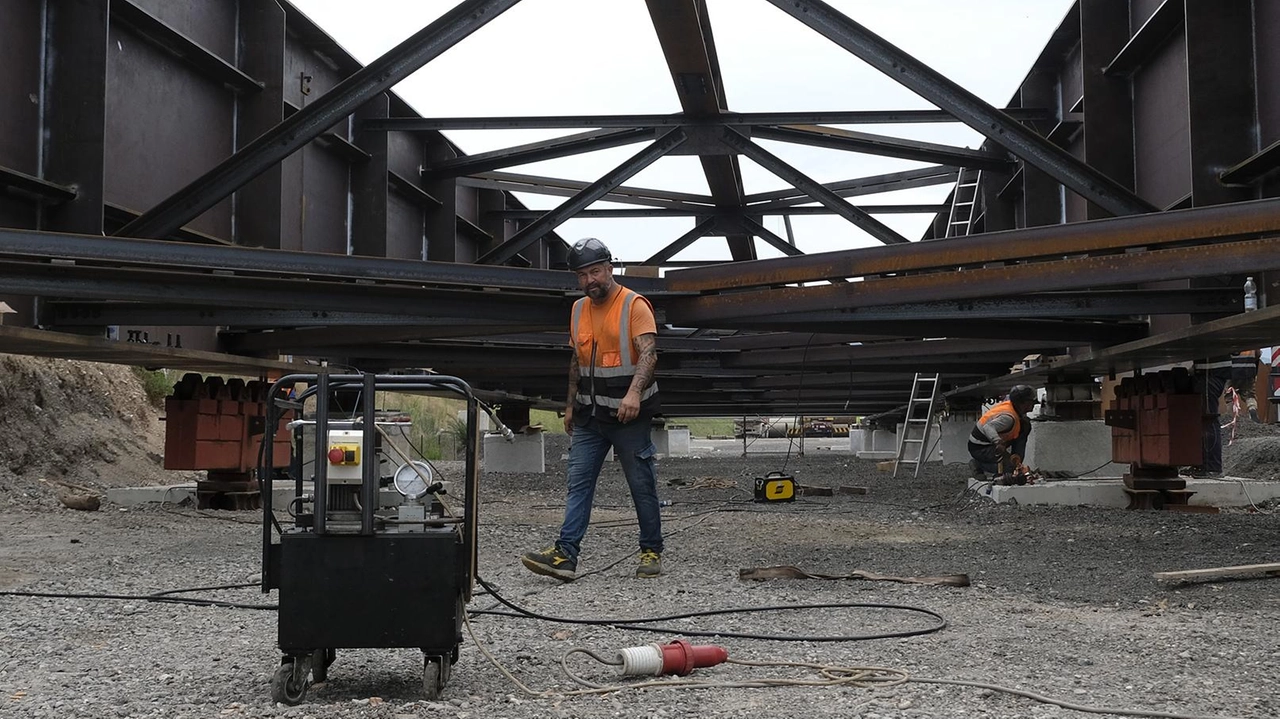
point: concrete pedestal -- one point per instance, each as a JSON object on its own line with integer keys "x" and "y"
{"x": 912, "y": 451}
{"x": 672, "y": 442}
{"x": 882, "y": 444}
{"x": 1076, "y": 446}
{"x": 955, "y": 438}
{"x": 859, "y": 440}
{"x": 523, "y": 454}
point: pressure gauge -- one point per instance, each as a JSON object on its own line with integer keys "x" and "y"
{"x": 413, "y": 484}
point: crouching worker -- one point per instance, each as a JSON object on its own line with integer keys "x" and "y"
{"x": 1000, "y": 436}
{"x": 612, "y": 400}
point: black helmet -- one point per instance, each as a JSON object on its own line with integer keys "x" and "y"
{"x": 1022, "y": 394}
{"x": 586, "y": 252}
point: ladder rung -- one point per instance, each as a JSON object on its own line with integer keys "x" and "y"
{"x": 966, "y": 202}
{"x": 917, "y": 441}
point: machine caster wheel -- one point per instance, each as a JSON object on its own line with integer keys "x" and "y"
{"x": 435, "y": 674}
{"x": 289, "y": 685}
{"x": 320, "y": 661}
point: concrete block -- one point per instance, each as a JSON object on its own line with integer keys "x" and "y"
{"x": 912, "y": 451}
{"x": 878, "y": 454}
{"x": 859, "y": 440}
{"x": 482, "y": 420}
{"x": 1110, "y": 492}
{"x": 955, "y": 438}
{"x": 523, "y": 454}
{"x": 883, "y": 440}
{"x": 672, "y": 442}
{"x": 1077, "y": 446}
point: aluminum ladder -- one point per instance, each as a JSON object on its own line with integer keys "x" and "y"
{"x": 964, "y": 203}
{"x": 915, "y": 428}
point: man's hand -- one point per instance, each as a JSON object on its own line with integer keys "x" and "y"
{"x": 630, "y": 407}
{"x": 568, "y": 419}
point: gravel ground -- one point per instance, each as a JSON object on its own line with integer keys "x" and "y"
{"x": 1062, "y": 603}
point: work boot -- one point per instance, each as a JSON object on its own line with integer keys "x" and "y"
{"x": 650, "y": 564}
{"x": 551, "y": 562}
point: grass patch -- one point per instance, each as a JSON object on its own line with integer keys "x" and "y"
{"x": 553, "y": 423}
{"x": 156, "y": 384}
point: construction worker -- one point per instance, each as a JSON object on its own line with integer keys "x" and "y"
{"x": 612, "y": 398}
{"x": 1000, "y": 436}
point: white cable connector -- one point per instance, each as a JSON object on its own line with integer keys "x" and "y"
{"x": 637, "y": 661}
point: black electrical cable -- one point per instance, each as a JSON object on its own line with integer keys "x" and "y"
{"x": 640, "y": 624}
{"x": 159, "y": 598}
{"x": 804, "y": 361}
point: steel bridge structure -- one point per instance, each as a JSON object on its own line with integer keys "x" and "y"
{"x": 218, "y": 185}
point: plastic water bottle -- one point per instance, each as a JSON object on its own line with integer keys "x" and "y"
{"x": 1250, "y": 295}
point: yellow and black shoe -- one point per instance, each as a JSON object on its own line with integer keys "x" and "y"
{"x": 551, "y": 562}
{"x": 650, "y": 564}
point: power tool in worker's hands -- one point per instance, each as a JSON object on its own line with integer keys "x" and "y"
{"x": 1013, "y": 471}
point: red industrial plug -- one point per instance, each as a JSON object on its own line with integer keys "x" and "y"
{"x": 681, "y": 658}
{"x": 678, "y": 657}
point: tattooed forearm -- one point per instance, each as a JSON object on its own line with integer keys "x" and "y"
{"x": 573, "y": 379}
{"x": 647, "y": 363}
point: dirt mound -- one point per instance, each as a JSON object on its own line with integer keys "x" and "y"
{"x": 83, "y": 423}
{"x": 1255, "y": 450}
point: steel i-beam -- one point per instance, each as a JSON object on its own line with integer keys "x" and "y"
{"x": 813, "y": 188}
{"x": 965, "y": 106}
{"x": 313, "y": 120}
{"x": 548, "y": 222}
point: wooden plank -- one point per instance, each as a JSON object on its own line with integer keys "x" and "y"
{"x": 1219, "y": 571}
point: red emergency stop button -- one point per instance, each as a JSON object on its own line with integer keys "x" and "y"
{"x": 336, "y": 456}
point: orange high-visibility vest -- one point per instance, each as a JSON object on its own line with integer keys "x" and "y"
{"x": 607, "y": 355}
{"x": 1005, "y": 407}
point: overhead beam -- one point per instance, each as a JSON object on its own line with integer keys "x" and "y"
{"x": 589, "y": 194}
{"x": 310, "y": 338}
{"x": 555, "y": 186}
{"x": 551, "y": 122}
{"x": 967, "y": 107}
{"x": 758, "y": 230}
{"x": 811, "y": 187}
{"x": 63, "y": 313}
{"x": 1068, "y": 274}
{"x": 1236, "y": 220}
{"x": 702, "y": 212}
{"x": 313, "y": 120}
{"x": 1066, "y": 331}
{"x": 89, "y": 283}
{"x": 1091, "y": 303}
{"x": 764, "y": 202}
{"x": 837, "y": 139}
{"x": 684, "y": 33}
{"x": 537, "y": 152}
{"x": 700, "y": 230}
{"x": 159, "y": 254}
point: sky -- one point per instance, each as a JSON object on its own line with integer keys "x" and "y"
{"x": 601, "y": 57}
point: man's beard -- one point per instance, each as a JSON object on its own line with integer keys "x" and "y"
{"x": 597, "y": 291}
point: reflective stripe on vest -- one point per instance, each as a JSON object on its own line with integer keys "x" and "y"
{"x": 1005, "y": 407}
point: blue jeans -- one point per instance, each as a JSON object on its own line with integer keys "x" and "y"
{"x": 635, "y": 450}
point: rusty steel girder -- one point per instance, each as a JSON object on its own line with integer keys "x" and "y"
{"x": 1218, "y": 222}
{"x": 1068, "y": 274}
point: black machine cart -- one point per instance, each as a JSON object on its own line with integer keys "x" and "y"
{"x": 350, "y": 573}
